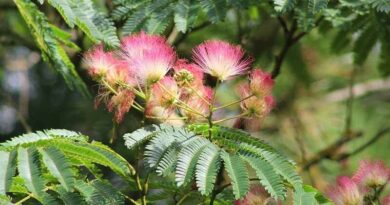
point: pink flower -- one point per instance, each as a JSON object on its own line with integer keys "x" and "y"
{"x": 165, "y": 93}
{"x": 120, "y": 104}
{"x": 372, "y": 174}
{"x": 198, "y": 102}
{"x": 99, "y": 62}
{"x": 149, "y": 56}
{"x": 189, "y": 72}
{"x": 346, "y": 192}
{"x": 261, "y": 83}
{"x": 161, "y": 114}
{"x": 386, "y": 200}
{"x": 221, "y": 59}
{"x": 257, "y": 107}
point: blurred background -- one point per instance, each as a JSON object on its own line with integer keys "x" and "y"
{"x": 330, "y": 112}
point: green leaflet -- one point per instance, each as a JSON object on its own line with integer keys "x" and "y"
{"x": 186, "y": 13}
{"x": 283, "y": 5}
{"x": 43, "y": 135}
{"x": 215, "y": 9}
{"x": 137, "y": 20}
{"x": 93, "y": 23}
{"x": 30, "y": 172}
{"x": 308, "y": 195}
{"x": 207, "y": 169}
{"x": 364, "y": 44}
{"x": 59, "y": 166}
{"x": 238, "y": 174}
{"x": 52, "y": 51}
{"x": 188, "y": 158}
{"x": 7, "y": 170}
{"x": 141, "y": 135}
{"x": 272, "y": 182}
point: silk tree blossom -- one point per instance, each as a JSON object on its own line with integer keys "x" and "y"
{"x": 221, "y": 59}
{"x": 149, "y": 56}
{"x": 120, "y": 103}
{"x": 386, "y": 200}
{"x": 99, "y": 62}
{"x": 255, "y": 107}
{"x": 197, "y": 104}
{"x": 165, "y": 94}
{"x": 372, "y": 174}
{"x": 161, "y": 114}
{"x": 188, "y": 72}
{"x": 261, "y": 82}
{"x": 346, "y": 192}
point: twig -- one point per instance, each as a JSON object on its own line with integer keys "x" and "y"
{"x": 330, "y": 151}
{"x": 290, "y": 40}
{"x": 375, "y": 138}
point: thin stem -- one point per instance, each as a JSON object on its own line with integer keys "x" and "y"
{"x": 230, "y": 118}
{"x": 182, "y": 199}
{"x": 109, "y": 87}
{"x": 235, "y": 102}
{"x": 188, "y": 108}
{"x": 24, "y": 199}
{"x": 138, "y": 106}
{"x": 164, "y": 118}
{"x": 131, "y": 200}
{"x": 196, "y": 93}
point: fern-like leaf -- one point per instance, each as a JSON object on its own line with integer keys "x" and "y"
{"x": 142, "y": 135}
{"x": 238, "y": 174}
{"x": 268, "y": 178}
{"x": 188, "y": 158}
{"x": 157, "y": 22}
{"x": 7, "y": 170}
{"x": 58, "y": 166}
{"x": 315, "y": 6}
{"x": 215, "y": 9}
{"x": 207, "y": 169}
{"x": 381, "y": 5}
{"x": 28, "y": 168}
{"x": 52, "y": 52}
{"x": 364, "y": 44}
{"x": 136, "y": 20}
{"x": 283, "y": 5}
{"x": 186, "y": 13}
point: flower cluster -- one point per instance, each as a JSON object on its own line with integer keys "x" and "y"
{"x": 363, "y": 186}
{"x": 146, "y": 74}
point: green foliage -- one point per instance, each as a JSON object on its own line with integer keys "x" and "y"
{"x": 51, "y": 48}
{"x": 283, "y": 5}
{"x": 92, "y": 22}
{"x": 237, "y": 172}
{"x": 380, "y": 5}
{"x": 192, "y": 152}
{"x": 308, "y": 195}
{"x": 154, "y": 16}
{"x": 49, "y": 161}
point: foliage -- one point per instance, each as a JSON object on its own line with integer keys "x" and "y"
{"x": 190, "y": 153}
{"x": 50, "y": 166}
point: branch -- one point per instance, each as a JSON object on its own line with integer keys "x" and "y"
{"x": 329, "y": 152}
{"x": 290, "y": 40}
{"x": 375, "y": 138}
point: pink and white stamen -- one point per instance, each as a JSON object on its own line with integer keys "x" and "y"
{"x": 221, "y": 59}
{"x": 149, "y": 56}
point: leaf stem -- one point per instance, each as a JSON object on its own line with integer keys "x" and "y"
{"x": 230, "y": 118}
{"x": 235, "y": 102}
